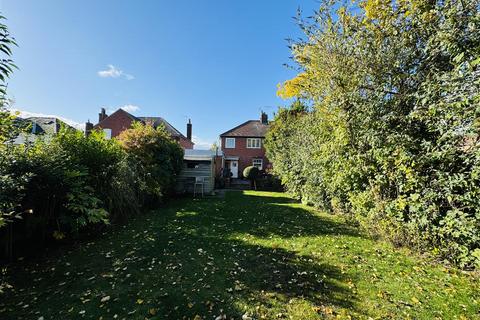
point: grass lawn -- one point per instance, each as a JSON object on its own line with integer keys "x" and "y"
{"x": 251, "y": 254}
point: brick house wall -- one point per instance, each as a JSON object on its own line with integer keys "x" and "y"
{"x": 245, "y": 155}
{"x": 185, "y": 143}
{"x": 118, "y": 121}
{"x": 121, "y": 120}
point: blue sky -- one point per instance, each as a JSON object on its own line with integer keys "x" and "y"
{"x": 216, "y": 62}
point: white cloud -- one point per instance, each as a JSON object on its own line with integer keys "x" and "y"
{"x": 201, "y": 144}
{"x": 111, "y": 72}
{"x": 130, "y": 108}
{"x": 114, "y": 72}
{"x": 27, "y": 114}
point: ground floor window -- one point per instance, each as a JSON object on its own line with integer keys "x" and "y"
{"x": 108, "y": 133}
{"x": 258, "y": 163}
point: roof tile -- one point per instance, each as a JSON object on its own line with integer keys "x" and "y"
{"x": 251, "y": 128}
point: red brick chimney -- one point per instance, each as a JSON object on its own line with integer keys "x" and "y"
{"x": 264, "y": 118}
{"x": 102, "y": 115}
{"x": 189, "y": 130}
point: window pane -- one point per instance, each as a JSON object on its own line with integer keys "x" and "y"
{"x": 229, "y": 142}
{"x": 258, "y": 163}
{"x": 253, "y": 143}
{"x": 108, "y": 133}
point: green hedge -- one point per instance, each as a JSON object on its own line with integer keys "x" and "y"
{"x": 385, "y": 123}
{"x": 60, "y": 186}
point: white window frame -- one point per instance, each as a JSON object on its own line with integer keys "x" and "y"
{"x": 259, "y": 161}
{"x": 231, "y": 145}
{"x": 108, "y": 133}
{"x": 254, "y": 143}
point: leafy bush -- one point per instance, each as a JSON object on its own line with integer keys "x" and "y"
{"x": 62, "y": 185}
{"x": 251, "y": 173}
{"x": 160, "y": 158}
{"x": 12, "y": 185}
{"x": 268, "y": 182}
{"x": 109, "y": 170}
{"x": 69, "y": 182}
{"x": 55, "y": 199}
{"x": 385, "y": 122}
{"x": 66, "y": 180}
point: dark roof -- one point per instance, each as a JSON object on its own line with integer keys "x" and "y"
{"x": 47, "y": 126}
{"x": 157, "y": 121}
{"x": 43, "y": 125}
{"x": 251, "y": 128}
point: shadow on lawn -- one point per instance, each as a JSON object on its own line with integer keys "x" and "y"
{"x": 236, "y": 272}
{"x": 192, "y": 258}
{"x": 277, "y": 216}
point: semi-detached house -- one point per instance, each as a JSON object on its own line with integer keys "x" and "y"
{"x": 242, "y": 146}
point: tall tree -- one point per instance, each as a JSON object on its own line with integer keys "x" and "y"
{"x": 394, "y": 132}
{"x": 7, "y": 129}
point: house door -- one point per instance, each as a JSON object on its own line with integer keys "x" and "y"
{"x": 234, "y": 168}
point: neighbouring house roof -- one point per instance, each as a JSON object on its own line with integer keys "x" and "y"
{"x": 154, "y": 121}
{"x": 251, "y": 128}
{"x": 48, "y": 125}
{"x": 157, "y": 121}
{"x": 39, "y": 126}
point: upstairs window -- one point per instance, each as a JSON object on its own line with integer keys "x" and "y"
{"x": 258, "y": 163}
{"x": 254, "y": 143}
{"x": 108, "y": 133}
{"x": 230, "y": 143}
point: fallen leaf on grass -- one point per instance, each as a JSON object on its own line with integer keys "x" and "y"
{"x": 246, "y": 317}
{"x": 324, "y": 309}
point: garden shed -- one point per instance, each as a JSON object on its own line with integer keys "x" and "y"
{"x": 198, "y": 165}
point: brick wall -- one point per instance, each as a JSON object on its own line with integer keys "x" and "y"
{"x": 246, "y": 155}
{"x": 118, "y": 122}
{"x": 185, "y": 143}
